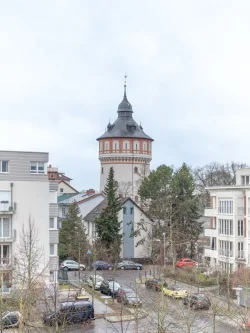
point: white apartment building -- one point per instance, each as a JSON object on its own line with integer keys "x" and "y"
{"x": 229, "y": 230}
{"x": 26, "y": 191}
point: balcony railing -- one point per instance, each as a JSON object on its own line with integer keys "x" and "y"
{"x": 210, "y": 212}
{"x": 226, "y": 232}
{"x": 225, "y": 253}
{"x": 7, "y": 235}
{"x": 241, "y": 255}
{"x": 211, "y": 253}
{"x": 210, "y": 232}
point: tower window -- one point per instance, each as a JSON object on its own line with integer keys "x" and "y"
{"x": 136, "y": 145}
{"x": 102, "y": 169}
{"x": 126, "y": 145}
{"x": 135, "y": 170}
{"x": 106, "y": 145}
{"x": 144, "y": 146}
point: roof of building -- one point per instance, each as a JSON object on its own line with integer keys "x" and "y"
{"x": 86, "y": 198}
{"x": 125, "y": 126}
{"x": 95, "y": 212}
{"x": 65, "y": 196}
{"x": 61, "y": 176}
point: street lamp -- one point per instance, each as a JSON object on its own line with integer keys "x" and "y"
{"x": 164, "y": 252}
{"x": 106, "y": 310}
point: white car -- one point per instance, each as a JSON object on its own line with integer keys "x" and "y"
{"x": 95, "y": 280}
{"x": 67, "y": 265}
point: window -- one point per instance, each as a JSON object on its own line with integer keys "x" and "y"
{"x": 51, "y": 223}
{"x": 52, "y": 249}
{"x": 124, "y": 210}
{"x": 126, "y": 145}
{"x": 115, "y": 145}
{"x": 5, "y": 227}
{"x": 61, "y": 190}
{"x": 225, "y": 248}
{"x": 4, "y": 166}
{"x": 88, "y": 228}
{"x": 226, "y": 206}
{"x": 52, "y": 175}
{"x": 226, "y": 227}
{"x": 136, "y": 145}
{"x": 106, "y": 145}
{"x": 240, "y": 228}
{"x": 131, "y": 210}
{"x": 144, "y": 146}
{"x": 102, "y": 169}
{"x": 135, "y": 170}
{"x": 93, "y": 230}
{"x": 245, "y": 180}
{"x": 36, "y": 167}
{"x": 241, "y": 250}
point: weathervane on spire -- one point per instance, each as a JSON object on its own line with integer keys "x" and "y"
{"x": 125, "y": 84}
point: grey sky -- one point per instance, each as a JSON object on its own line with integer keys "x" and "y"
{"x": 61, "y": 78}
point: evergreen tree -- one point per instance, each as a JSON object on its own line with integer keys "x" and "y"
{"x": 72, "y": 235}
{"x": 187, "y": 209}
{"x": 108, "y": 226}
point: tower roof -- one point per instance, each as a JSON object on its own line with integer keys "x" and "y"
{"x": 125, "y": 126}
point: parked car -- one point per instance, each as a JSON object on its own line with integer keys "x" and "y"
{"x": 95, "y": 281}
{"x": 101, "y": 265}
{"x": 175, "y": 291}
{"x": 156, "y": 284}
{"x": 70, "y": 313}
{"x": 126, "y": 264}
{"x": 197, "y": 301}
{"x": 127, "y": 296}
{"x": 185, "y": 262}
{"x": 72, "y": 265}
{"x": 11, "y": 319}
{"x": 109, "y": 287}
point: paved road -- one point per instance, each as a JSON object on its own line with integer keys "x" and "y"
{"x": 175, "y": 316}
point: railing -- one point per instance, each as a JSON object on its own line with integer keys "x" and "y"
{"x": 226, "y": 232}
{"x": 5, "y": 261}
{"x": 241, "y": 255}
{"x": 7, "y": 235}
{"x": 225, "y": 253}
{"x": 240, "y": 210}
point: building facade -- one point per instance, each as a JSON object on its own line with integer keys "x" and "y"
{"x": 128, "y": 149}
{"x": 229, "y": 230}
{"x": 130, "y": 215}
{"x": 26, "y": 193}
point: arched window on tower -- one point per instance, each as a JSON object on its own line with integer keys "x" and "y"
{"x": 102, "y": 169}
{"x": 115, "y": 145}
{"x": 144, "y": 146}
{"x": 126, "y": 145}
{"x": 135, "y": 170}
{"x": 106, "y": 145}
{"x": 136, "y": 145}
{"x": 149, "y": 146}
{"x": 100, "y": 145}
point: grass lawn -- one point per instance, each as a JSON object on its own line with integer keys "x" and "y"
{"x": 65, "y": 286}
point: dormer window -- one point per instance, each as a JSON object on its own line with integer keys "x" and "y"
{"x": 4, "y": 166}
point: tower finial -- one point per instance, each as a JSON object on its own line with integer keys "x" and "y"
{"x": 125, "y": 84}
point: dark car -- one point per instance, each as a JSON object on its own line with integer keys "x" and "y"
{"x": 127, "y": 296}
{"x": 197, "y": 301}
{"x": 109, "y": 287}
{"x": 156, "y": 284}
{"x": 126, "y": 264}
{"x": 70, "y": 313}
{"x": 101, "y": 265}
{"x": 11, "y": 319}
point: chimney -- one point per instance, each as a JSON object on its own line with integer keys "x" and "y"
{"x": 90, "y": 192}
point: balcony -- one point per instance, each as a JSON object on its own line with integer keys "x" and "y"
{"x": 210, "y": 212}
{"x": 210, "y": 232}
{"x": 225, "y": 253}
{"x": 240, "y": 256}
{"x": 211, "y": 253}
{"x": 6, "y": 264}
{"x": 8, "y": 236}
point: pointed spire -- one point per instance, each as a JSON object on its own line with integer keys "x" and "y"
{"x": 125, "y": 85}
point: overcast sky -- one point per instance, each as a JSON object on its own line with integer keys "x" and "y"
{"x": 61, "y": 78}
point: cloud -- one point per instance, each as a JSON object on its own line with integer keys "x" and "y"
{"x": 62, "y": 65}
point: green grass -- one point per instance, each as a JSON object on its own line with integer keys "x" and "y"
{"x": 65, "y": 286}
